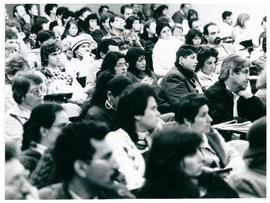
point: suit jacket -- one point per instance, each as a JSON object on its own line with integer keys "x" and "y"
{"x": 61, "y": 191}
{"x": 174, "y": 85}
{"x": 221, "y": 105}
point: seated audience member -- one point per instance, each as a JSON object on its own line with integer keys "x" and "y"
{"x": 105, "y": 46}
{"x": 250, "y": 181}
{"x": 104, "y": 101}
{"x": 148, "y": 40}
{"x": 92, "y": 23}
{"x": 33, "y": 57}
{"x": 82, "y": 47}
{"x": 192, "y": 112}
{"x": 84, "y": 160}
{"x": 16, "y": 183}
{"x": 181, "y": 14}
{"x": 207, "y": 60}
{"x": 40, "y": 132}
{"x": 195, "y": 23}
{"x": 180, "y": 80}
{"x": 104, "y": 27}
{"x": 231, "y": 96}
{"x": 131, "y": 33}
{"x": 240, "y": 31}
{"x": 174, "y": 168}
{"x": 13, "y": 66}
{"x": 226, "y": 26}
{"x": 136, "y": 114}
{"x": 59, "y": 81}
{"x": 114, "y": 63}
{"x": 211, "y": 33}
{"x": 137, "y": 68}
{"x": 194, "y": 37}
{"x": 28, "y": 90}
{"x": 71, "y": 30}
{"x": 177, "y": 31}
{"x": 117, "y": 24}
{"x": 81, "y": 16}
{"x": 164, "y": 49}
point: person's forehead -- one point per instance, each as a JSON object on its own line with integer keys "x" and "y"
{"x": 20, "y": 8}
{"x": 128, "y": 10}
{"x": 102, "y": 148}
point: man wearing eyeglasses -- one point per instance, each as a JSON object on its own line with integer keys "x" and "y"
{"x": 231, "y": 96}
{"x": 86, "y": 166}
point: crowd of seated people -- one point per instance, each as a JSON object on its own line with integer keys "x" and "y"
{"x": 104, "y": 105}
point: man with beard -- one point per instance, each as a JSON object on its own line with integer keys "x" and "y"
{"x": 212, "y": 35}
{"x": 85, "y": 163}
{"x": 231, "y": 96}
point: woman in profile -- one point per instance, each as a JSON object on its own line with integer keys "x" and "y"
{"x": 174, "y": 168}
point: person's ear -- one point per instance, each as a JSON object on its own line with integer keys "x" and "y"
{"x": 43, "y": 131}
{"x": 80, "y": 168}
{"x": 109, "y": 94}
{"x": 180, "y": 60}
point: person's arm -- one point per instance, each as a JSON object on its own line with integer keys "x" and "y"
{"x": 175, "y": 89}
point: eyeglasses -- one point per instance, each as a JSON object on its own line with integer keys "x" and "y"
{"x": 37, "y": 91}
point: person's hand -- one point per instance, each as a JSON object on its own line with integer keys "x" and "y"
{"x": 147, "y": 80}
{"x": 79, "y": 98}
{"x": 245, "y": 93}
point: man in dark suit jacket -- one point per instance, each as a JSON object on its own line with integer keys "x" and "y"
{"x": 231, "y": 96}
{"x": 85, "y": 162}
{"x": 180, "y": 80}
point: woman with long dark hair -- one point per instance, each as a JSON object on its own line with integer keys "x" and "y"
{"x": 174, "y": 168}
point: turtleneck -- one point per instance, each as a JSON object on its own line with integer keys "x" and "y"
{"x": 188, "y": 73}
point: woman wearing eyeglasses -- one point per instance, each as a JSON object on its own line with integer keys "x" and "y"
{"x": 41, "y": 131}
{"x": 28, "y": 90}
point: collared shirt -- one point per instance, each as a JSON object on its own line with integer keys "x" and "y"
{"x": 39, "y": 148}
{"x": 235, "y": 99}
{"x": 209, "y": 155}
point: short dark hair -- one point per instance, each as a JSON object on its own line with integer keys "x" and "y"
{"x": 192, "y": 33}
{"x": 37, "y": 25}
{"x": 160, "y": 26}
{"x": 42, "y": 115}
{"x": 82, "y": 10}
{"x": 22, "y": 83}
{"x": 49, "y": 7}
{"x": 61, "y": 10}
{"x": 184, "y": 51}
{"x": 14, "y": 64}
{"x": 130, "y": 20}
{"x": 205, "y": 28}
{"x": 48, "y": 47}
{"x": 103, "y": 46}
{"x": 132, "y": 102}
{"x": 28, "y": 7}
{"x": 15, "y": 8}
{"x": 189, "y": 107}
{"x": 226, "y": 14}
{"x": 170, "y": 146}
{"x": 74, "y": 143}
{"x": 123, "y": 8}
{"x": 100, "y": 9}
{"x": 190, "y": 22}
{"x": 205, "y": 53}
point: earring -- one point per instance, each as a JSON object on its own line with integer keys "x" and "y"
{"x": 108, "y": 104}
